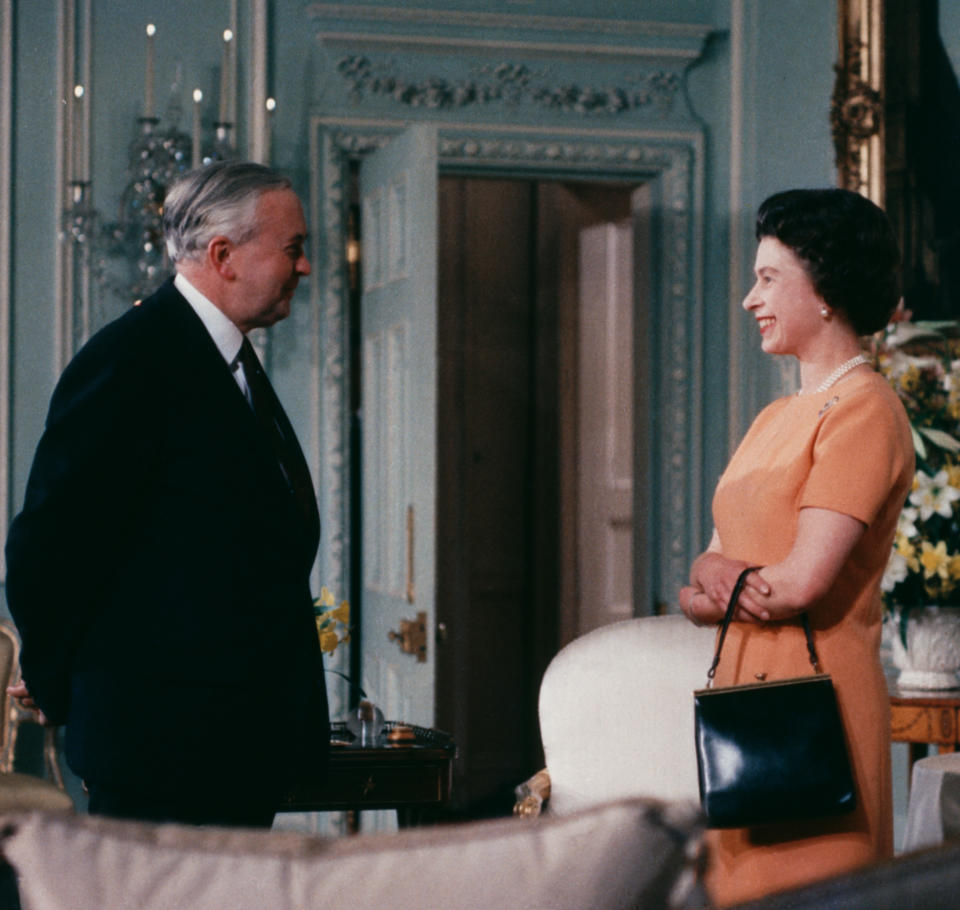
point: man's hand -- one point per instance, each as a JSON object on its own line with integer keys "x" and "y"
{"x": 22, "y": 695}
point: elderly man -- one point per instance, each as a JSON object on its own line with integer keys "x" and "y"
{"x": 159, "y": 571}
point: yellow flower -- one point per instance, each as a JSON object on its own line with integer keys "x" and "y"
{"x": 329, "y": 641}
{"x": 910, "y": 380}
{"x": 935, "y": 560}
{"x": 953, "y": 567}
{"x": 907, "y": 551}
{"x": 341, "y": 613}
{"x": 333, "y": 623}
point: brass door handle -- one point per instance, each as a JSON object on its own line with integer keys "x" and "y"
{"x": 410, "y": 590}
{"x": 412, "y": 636}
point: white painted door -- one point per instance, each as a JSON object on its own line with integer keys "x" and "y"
{"x": 606, "y": 421}
{"x": 398, "y": 188}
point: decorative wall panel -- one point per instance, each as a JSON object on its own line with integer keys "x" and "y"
{"x": 538, "y": 96}
{"x": 6, "y": 186}
{"x": 673, "y": 164}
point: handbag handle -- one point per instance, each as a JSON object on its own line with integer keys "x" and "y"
{"x": 728, "y": 616}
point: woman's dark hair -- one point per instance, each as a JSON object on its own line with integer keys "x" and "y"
{"x": 846, "y": 244}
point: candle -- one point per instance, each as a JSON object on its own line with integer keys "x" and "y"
{"x": 232, "y": 109}
{"x": 148, "y": 86}
{"x": 79, "y": 139}
{"x": 226, "y": 82}
{"x": 271, "y": 105}
{"x": 197, "y": 98}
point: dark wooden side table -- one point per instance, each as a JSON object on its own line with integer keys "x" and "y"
{"x": 412, "y": 777}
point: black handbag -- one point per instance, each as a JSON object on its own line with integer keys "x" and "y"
{"x": 770, "y": 751}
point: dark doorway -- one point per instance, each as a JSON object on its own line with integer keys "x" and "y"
{"x": 508, "y": 263}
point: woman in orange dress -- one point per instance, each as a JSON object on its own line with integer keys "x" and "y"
{"x": 812, "y": 495}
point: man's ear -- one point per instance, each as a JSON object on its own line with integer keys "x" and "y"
{"x": 219, "y": 252}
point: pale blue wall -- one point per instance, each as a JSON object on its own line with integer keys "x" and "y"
{"x": 786, "y": 80}
{"x": 34, "y": 231}
{"x": 782, "y": 96}
{"x": 786, "y": 84}
{"x": 950, "y": 31}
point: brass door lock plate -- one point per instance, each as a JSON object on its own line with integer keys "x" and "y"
{"x": 412, "y": 637}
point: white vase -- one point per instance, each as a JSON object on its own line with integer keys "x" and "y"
{"x": 931, "y": 658}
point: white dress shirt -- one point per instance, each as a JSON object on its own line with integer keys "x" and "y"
{"x": 226, "y": 336}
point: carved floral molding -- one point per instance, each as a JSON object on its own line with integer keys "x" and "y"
{"x": 506, "y": 83}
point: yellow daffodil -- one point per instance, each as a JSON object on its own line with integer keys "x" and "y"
{"x": 341, "y": 613}
{"x": 329, "y": 641}
{"x": 907, "y": 552}
{"x": 333, "y": 623}
{"x": 910, "y": 380}
{"x": 934, "y": 560}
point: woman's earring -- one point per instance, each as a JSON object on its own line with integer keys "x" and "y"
{"x": 824, "y": 311}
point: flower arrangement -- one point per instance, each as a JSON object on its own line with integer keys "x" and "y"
{"x": 333, "y": 629}
{"x": 921, "y": 361}
{"x": 333, "y": 622}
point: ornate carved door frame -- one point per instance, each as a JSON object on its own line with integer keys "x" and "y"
{"x": 669, "y": 505}
{"x": 539, "y": 97}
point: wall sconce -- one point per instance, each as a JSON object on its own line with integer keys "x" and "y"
{"x": 157, "y": 156}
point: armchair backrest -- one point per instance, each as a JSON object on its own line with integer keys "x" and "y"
{"x": 616, "y": 712}
{"x": 9, "y": 674}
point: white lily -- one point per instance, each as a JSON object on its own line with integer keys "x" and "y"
{"x": 934, "y": 495}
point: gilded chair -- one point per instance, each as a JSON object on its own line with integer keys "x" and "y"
{"x": 24, "y": 791}
{"x": 616, "y": 716}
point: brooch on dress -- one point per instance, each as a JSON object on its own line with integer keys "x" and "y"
{"x": 828, "y": 405}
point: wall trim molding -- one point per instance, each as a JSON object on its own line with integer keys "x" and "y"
{"x": 6, "y": 277}
{"x": 257, "y": 122}
{"x": 72, "y": 279}
{"x": 735, "y": 278}
{"x": 441, "y": 29}
{"x": 673, "y": 163}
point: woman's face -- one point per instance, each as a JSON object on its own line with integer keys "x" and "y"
{"x": 783, "y": 301}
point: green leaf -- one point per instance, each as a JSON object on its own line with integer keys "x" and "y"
{"x": 918, "y": 445}
{"x": 947, "y": 328}
{"x": 904, "y": 616}
{"x": 942, "y": 439}
{"x": 909, "y": 332}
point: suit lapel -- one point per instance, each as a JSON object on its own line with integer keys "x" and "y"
{"x": 194, "y": 344}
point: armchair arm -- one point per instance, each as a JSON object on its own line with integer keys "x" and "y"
{"x": 532, "y": 794}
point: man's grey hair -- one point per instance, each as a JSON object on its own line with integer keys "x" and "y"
{"x": 218, "y": 199}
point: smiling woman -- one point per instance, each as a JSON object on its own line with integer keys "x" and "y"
{"x": 788, "y": 310}
{"x": 812, "y": 495}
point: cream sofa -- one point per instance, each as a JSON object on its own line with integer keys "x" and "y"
{"x": 626, "y": 854}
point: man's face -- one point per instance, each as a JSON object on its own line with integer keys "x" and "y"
{"x": 268, "y": 267}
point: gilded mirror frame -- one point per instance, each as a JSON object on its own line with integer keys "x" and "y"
{"x": 856, "y": 109}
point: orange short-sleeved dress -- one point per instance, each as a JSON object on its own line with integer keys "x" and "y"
{"x": 848, "y": 449}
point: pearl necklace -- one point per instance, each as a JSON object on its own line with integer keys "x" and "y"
{"x": 839, "y": 372}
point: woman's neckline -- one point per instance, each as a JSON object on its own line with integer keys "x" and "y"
{"x": 841, "y": 372}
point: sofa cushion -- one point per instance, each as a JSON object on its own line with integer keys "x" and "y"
{"x": 623, "y": 855}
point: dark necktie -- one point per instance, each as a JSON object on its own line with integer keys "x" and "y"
{"x": 267, "y": 409}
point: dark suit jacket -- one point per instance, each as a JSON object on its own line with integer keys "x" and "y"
{"x": 159, "y": 571}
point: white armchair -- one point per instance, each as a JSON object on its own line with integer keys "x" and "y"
{"x": 616, "y": 715}
{"x": 21, "y": 792}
